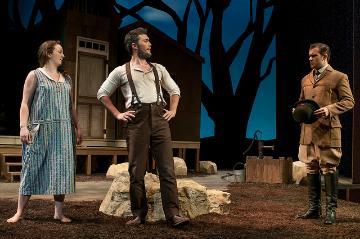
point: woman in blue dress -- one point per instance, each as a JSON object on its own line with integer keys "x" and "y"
{"x": 49, "y": 132}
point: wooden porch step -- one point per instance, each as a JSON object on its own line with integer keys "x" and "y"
{"x": 12, "y": 167}
{"x": 13, "y": 164}
{"x": 10, "y": 176}
{"x": 8, "y": 160}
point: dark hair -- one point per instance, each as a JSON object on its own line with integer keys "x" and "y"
{"x": 133, "y": 37}
{"x": 323, "y": 49}
{"x": 45, "y": 49}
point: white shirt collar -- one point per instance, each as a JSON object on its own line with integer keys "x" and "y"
{"x": 322, "y": 69}
{"x": 61, "y": 79}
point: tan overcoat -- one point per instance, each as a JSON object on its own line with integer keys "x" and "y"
{"x": 332, "y": 91}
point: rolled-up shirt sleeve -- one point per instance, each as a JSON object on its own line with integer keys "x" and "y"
{"x": 112, "y": 82}
{"x": 168, "y": 83}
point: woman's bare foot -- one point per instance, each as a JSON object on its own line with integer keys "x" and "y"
{"x": 62, "y": 219}
{"x": 17, "y": 217}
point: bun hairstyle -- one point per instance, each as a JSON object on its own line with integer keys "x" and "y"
{"x": 45, "y": 49}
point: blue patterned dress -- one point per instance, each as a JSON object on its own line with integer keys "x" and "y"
{"x": 48, "y": 162}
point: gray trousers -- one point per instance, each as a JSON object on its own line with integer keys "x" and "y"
{"x": 150, "y": 130}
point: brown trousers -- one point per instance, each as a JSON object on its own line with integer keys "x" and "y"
{"x": 150, "y": 130}
{"x": 319, "y": 158}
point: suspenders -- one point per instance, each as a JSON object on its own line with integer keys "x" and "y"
{"x": 132, "y": 86}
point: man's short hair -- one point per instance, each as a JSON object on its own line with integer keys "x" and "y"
{"x": 133, "y": 37}
{"x": 323, "y": 49}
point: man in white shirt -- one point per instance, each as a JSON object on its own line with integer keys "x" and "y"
{"x": 147, "y": 124}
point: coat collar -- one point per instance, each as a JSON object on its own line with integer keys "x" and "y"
{"x": 322, "y": 75}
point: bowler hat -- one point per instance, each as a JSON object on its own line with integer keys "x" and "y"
{"x": 304, "y": 111}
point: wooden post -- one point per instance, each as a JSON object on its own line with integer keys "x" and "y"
{"x": 356, "y": 92}
{"x": 114, "y": 159}
{"x": 197, "y": 161}
{"x": 88, "y": 165}
{"x": 2, "y": 164}
{"x": 181, "y": 153}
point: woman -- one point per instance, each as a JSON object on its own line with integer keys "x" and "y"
{"x": 48, "y": 124}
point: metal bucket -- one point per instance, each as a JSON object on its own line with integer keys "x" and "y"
{"x": 239, "y": 172}
{"x": 239, "y": 176}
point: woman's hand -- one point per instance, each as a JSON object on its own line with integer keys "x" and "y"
{"x": 79, "y": 137}
{"x": 25, "y": 135}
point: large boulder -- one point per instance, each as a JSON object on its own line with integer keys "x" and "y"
{"x": 208, "y": 167}
{"x": 180, "y": 167}
{"x": 117, "y": 200}
{"x": 219, "y": 201}
{"x": 194, "y": 199}
{"x": 299, "y": 172}
{"x": 115, "y": 169}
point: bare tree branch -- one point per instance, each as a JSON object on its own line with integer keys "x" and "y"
{"x": 258, "y": 47}
{"x": 251, "y": 11}
{"x": 47, "y": 8}
{"x": 16, "y": 16}
{"x": 268, "y": 69}
{"x": 124, "y": 12}
{"x": 185, "y": 19}
{"x": 269, "y": 3}
{"x": 234, "y": 49}
{"x": 206, "y": 94}
{"x": 33, "y": 14}
{"x": 203, "y": 18}
{"x": 160, "y": 5}
{"x": 270, "y": 28}
{"x": 199, "y": 8}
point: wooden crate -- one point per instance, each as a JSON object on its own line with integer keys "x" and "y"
{"x": 268, "y": 170}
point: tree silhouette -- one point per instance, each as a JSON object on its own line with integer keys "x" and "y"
{"x": 229, "y": 108}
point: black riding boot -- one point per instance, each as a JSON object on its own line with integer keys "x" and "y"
{"x": 314, "y": 192}
{"x": 331, "y": 197}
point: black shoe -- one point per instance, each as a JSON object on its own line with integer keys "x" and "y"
{"x": 331, "y": 197}
{"x": 314, "y": 192}
{"x": 136, "y": 221}
{"x": 330, "y": 217}
{"x": 178, "y": 221}
{"x": 310, "y": 214}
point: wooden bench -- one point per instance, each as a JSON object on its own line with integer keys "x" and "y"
{"x": 11, "y": 145}
{"x": 89, "y": 151}
{"x": 15, "y": 150}
{"x": 182, "y": 146}
{"x": 6, "y": 167}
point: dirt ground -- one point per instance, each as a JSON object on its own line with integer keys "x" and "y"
{"x": 256, "y": 211}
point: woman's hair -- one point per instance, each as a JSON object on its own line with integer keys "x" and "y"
{"x": 45, "y": 49}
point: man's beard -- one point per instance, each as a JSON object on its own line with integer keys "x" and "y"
{"x": 143, "y": 54}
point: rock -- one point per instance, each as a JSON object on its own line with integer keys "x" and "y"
{"x": 115, "y": 169}
{"x": 194, "y": 199}
{"x": 208, "y": 167}
{"x": 299, "y": 172}
{"x": 117, "y": 200}
{"x": 219, "y": 201}
{"x": 180, "y": 167}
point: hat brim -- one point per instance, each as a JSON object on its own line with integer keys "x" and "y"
{"x": 302, "y": 110}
